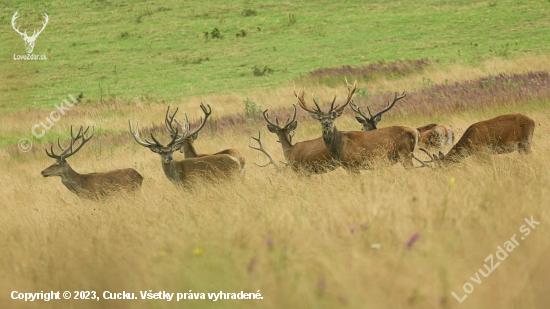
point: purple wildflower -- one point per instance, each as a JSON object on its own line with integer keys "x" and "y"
{"x": 414, "y": 237}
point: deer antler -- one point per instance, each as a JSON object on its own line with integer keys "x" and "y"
{"x": 67, "y": 152}
{"x": 388, "y": 106}
{"x": 351, "y": 91}
{"x": 261, "y": 148}
{"x": 422, "y": 162}
{"x": 207, "y": 113}
{"x": 303, "y": 103}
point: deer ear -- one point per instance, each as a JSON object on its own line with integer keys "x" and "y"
{"x": 441, "y": 156}
{"x": 378, "y": 118}
{"x": 194, "y": 136}
{"x": 271, "y": 128}
{"x": 292, "y": 126}
{"x": 360, "y": 120}
{"x": 337, "y": 113}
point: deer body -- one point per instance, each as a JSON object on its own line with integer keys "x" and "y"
{"x": 189, "y": 152}
{"x": 499, "y": 135}
{"x": 356, "y": 149}
{"x": 187, "y": 148}
{"x": 359, "y": 149}
{"x": 94, "y": 185}
{"x": 189, "y": 170}
{"x": 435, "y": 135}
{"x": 312, "y": 156}
{"x": 432, "y": 135}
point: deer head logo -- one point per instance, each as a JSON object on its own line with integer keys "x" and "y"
{"x": 29, "y": 40}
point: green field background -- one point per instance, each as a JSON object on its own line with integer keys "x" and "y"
{"x": 157, "y": 50}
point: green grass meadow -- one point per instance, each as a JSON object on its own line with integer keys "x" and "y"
{"x": 153, "y": 51}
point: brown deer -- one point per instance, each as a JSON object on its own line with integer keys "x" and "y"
{"x": 188, "y": 149}
{"x": 190, "y": 170}
{"x": 432, "y": 135}
{"x": 94, "y": 185}
{"x": 358, "y": 149}
{"x": 310, "y": 156}
{"x": 499, "y": 135}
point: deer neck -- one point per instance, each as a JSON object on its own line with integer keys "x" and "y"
{"x": 334, "y": 142}
{"x": 285, "y": 143}
{"x": 188, "y": 149}
{"x": 170, "y": 170}
{"x": 72, "y": 180}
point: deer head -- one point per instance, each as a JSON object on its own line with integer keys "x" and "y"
{"x": 165, "y": 152}
{"x": 327, "y": 119}
{"x": 284, "y": 131}
{"x": 29, "y": 40}
{"x": 191, "y": 136}
{"x": 370, "y": 122}
{"x": 61, "y": 167}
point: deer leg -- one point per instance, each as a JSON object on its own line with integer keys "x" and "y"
{"x": 524, "y": 146}
{"x": 406, "y": 160}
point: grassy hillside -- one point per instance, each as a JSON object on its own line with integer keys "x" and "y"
{"x": 145, "y": 50}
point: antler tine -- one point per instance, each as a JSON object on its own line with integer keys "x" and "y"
{"x": 64, "y": 151}
{"x": 290, "y": 136}
{"x": 421, "y": 162}
{"x": 207, "y": 114}
{"x": 135, "y": 134}
{"x": 174, "y": 140}
{"x": 332, "y": 104}
{"x": 266, "y": 117}
{"x": 303, "y": 103}
{"x": 389, "y": 106}
{"x": 351, "y": 91}
{"x": 52, "y": 155}
{"x": 358, "y": 110}
{"x": 288, "y": 121}
{"x": 426, "y": 152}
{"x": 154, "y": 140}
{"x": 261, "y": 148}
{"x": 79, "y": 136}
{"x": 169, "y": 120}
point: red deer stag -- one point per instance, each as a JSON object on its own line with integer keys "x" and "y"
{"x": 308, "y": 156}
{"x": 358, "y": 149}
{"x": 499, "y": 135}
{"x": 432, "y": 135}
{"x": 190, "y": 170}
{"x": 188, "y": 149}
{"x": 94, "y": 185}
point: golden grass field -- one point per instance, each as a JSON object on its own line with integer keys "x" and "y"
{"x": 304, "y": 242}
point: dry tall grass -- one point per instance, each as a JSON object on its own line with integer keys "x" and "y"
{"x": 304, "y": 242}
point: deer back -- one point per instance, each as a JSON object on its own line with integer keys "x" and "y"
{"x": 500, "y": 134}
{"x": 384, "y": 142}
{"x": 208, "y": 167}
{"x": 435, "y": 135}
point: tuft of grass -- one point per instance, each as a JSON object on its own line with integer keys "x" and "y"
{"x": 249, "y": 12}
{"x": 261, "y": 71}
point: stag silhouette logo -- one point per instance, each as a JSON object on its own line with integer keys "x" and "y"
{"x": 29, "y": 40}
